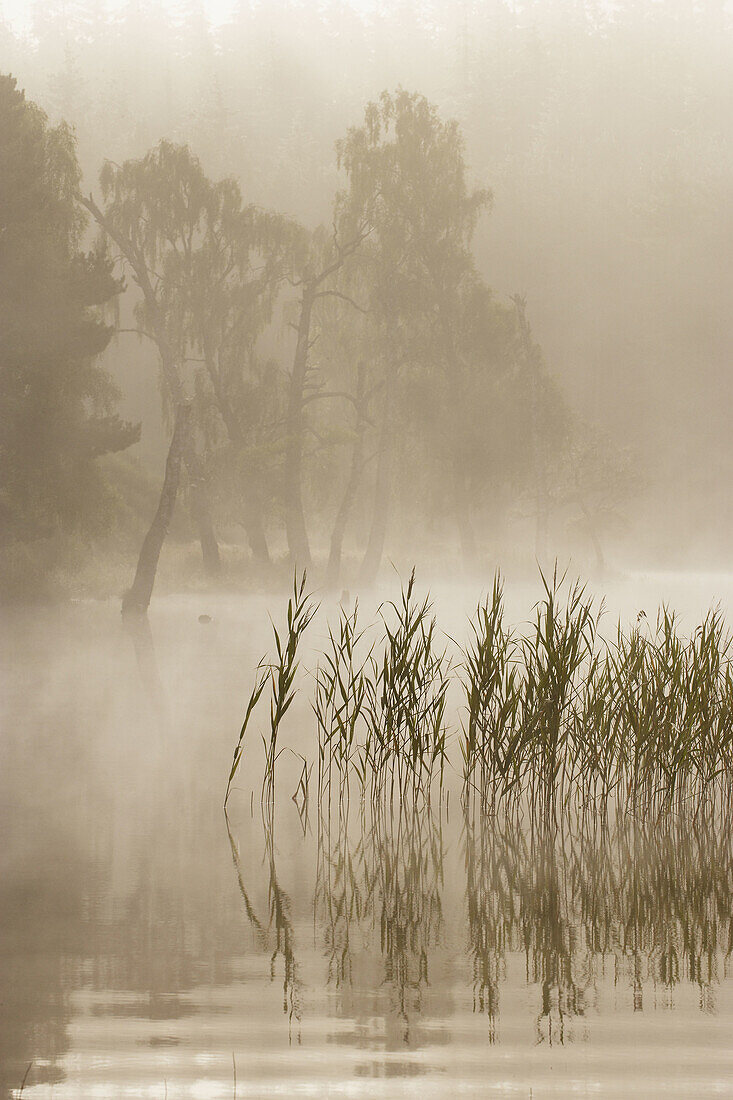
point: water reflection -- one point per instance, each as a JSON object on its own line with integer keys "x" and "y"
{"x": 36, "y": 946}
{"x": 142, "y": 946}
{"x": 644, "y": 906}
{"x": 278, "y": 935}
{"x": 652, "y": 899}
{"x": 138, "y": 629}
{"x": 381, "y": 886}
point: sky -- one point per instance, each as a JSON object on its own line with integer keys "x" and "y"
{"x": 18, "y": 12}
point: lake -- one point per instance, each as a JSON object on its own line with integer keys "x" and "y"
{"x": 151, "y": 947}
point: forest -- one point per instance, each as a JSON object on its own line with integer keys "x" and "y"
{"x": 320, "y": 286}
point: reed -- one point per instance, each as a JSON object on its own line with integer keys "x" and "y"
{"x": 558, "y": 716}
{"x": 555, "y": 717}
{"x": 339, "y": 704}
{"x": 281, "y": 676}
{"x": 405, "y": 701}
{"x": 491, "y": 762}
{"x": 301, "y": 610}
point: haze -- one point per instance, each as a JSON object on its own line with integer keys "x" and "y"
{"x": 602, "y": 133}
{"x": 322, "y": 326}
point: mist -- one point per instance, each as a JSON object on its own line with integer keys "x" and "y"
{"x": 364, "y": 463}
{"x": 599, "y": 139}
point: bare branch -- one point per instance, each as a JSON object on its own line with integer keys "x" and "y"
{"x": 343, "y": 297}
{"x": 325, "y": 394}
{"x": 136, "y": 332}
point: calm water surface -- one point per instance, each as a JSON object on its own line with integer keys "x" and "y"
{"x": 147, "y": 950}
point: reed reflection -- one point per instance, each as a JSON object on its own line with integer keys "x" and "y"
{"x": 277, "y": 935}
{"x": 379, "y": 886}
{"x": 572, "y": 916}
{"x": 653, "y": 899}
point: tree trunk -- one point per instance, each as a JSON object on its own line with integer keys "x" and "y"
{"x": 294, "y": 515}
{"x": 201, "y": 513}
{"x": 252, "y": 510}
{"x": 137, "y": 599}
{"x": 255, "y": 531}
{"x": 466, "y": 532}
{"x": 333, "y": 568}
{"x": 382, "y": 498}
{"x": 172, "y": 384}
{"x": 201, "y": 509}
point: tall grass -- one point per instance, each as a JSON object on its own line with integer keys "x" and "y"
{"x": 490, "y": 744}
{"x": 339, "y": 705}
{"x": 596, "y": 772}
{"x": 405, "y": 744}
{"x": 281, "y": 676}
{"x": 555, "y": 715}
{"x": 560, "y": 717}
{"x": 380, "y": 711}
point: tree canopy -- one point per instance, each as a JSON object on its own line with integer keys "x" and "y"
{"x": 57, "y": 404}
{"x": 330, "y": 386}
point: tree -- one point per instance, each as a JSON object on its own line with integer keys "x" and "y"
{"x": 467, "y": 424}
{"x": 231, "y": 292}
{"x": 56, "y": 403}
{"x": 319, "y": 267}
{"x": 407, "y": 183}
{"x": 546, "y": 416}
{"x": 151, "y": 230}
{"x": 209, "y": 269}
{"x": 597, "y": 479}
{"x": 137, "y": 599}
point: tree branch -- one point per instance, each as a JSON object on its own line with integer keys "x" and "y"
{"x": 324, "y": 394}
{"x": 343, "y": 297}
{"x": 136, "y": 332}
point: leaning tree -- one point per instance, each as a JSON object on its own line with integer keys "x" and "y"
{"x": 208, "y": 269}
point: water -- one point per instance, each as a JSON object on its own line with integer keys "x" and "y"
{"x": 148, "y": 951}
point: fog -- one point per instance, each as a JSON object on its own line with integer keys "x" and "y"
{"x": 298, "y": 302}
{"x": 599, "y": 138}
